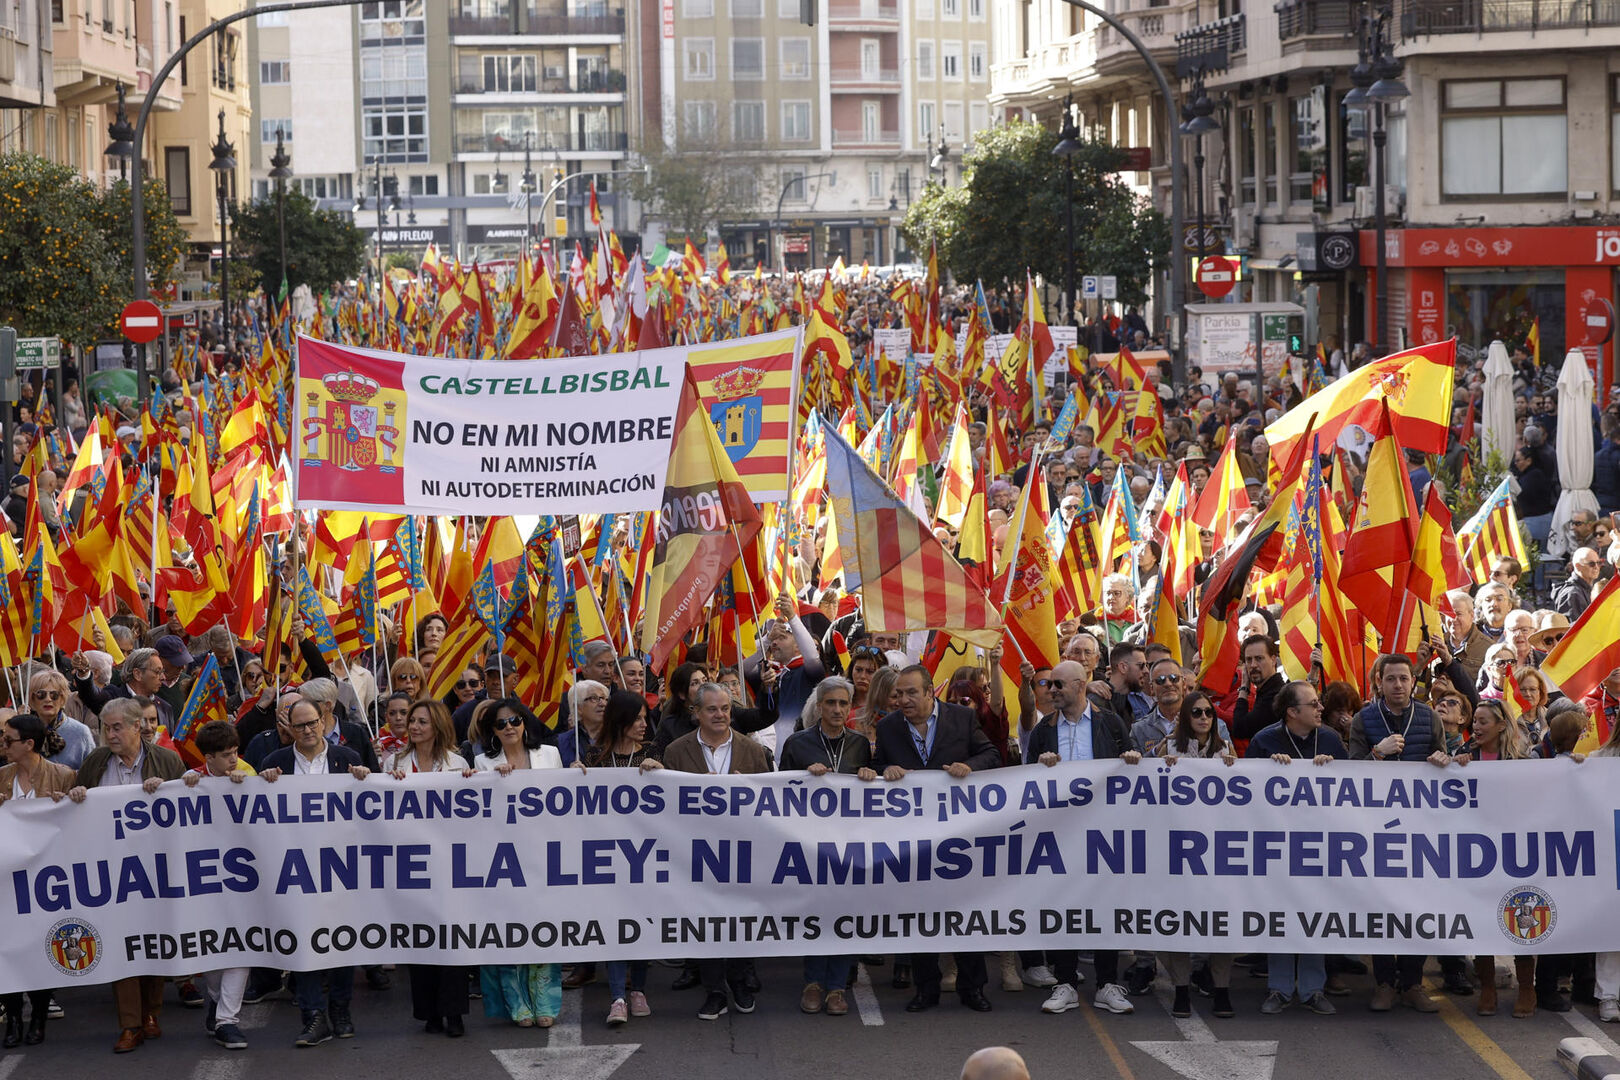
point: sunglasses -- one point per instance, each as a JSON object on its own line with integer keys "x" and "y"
{"x": 510, "y": 721}
{"x": 1202, "y": 712}
{"x": 1054, "y": 684}
{"x": 469, "y": 684}
{"x": 1166, "y": 680}
{"x": 46, "y": 695}
{"x": 1501, "y": 663}
{"x": 867, "y": 652}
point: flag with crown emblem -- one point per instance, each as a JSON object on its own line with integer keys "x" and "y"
{"x": 206, "y": 703}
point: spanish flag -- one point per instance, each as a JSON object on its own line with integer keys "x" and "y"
{"x": 1417, "y": 384}
{"x": 1591, "y": 649}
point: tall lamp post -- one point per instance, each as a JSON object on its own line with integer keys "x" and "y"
{"x": 224, "y": 168}
{"x": 1068, "y": 145}
{"x": 280, "y": 172}
{"x": 1377, "y": 83}
{"x": 528, "y": 188}
{"x": 1197, "y": 121}
{"x": 122, "y": 133}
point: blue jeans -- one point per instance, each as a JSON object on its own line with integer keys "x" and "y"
{"x": 618, "y": 971}
{"x": 832, "y": 972}
{"x": 1311, "y": 976}
{"x": 316, "y": 990}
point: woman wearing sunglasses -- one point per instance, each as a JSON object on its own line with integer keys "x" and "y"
{"x": 508, "y": 734}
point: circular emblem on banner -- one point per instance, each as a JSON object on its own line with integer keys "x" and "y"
{"x": 74, "y": 947}
{"x": 1338, "y": 252}
{"x": 1527, "y": 915}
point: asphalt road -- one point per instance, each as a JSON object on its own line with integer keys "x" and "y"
{"x": 877, "y": 1038}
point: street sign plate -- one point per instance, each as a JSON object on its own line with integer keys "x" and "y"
{"x": 141, "y": 321}
{"x": 1110, "y": 287}
{"x": 1089, "y": 286}
{"x": 39, "y": 353}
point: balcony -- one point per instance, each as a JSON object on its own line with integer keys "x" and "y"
{"x": 1422, "y": 18}
{"x": 859, "y": 137}
{"x": 537, "y": 25}
{"x": 853, "y": 75}
{"x": 1335, "y": 19}
{"x": 857, "y": 16}
{"x": 579, "y": 142}
{"x": 593, "y": 82}
{"x": 1210, "y": 47}
{"x": 486, "y": 25}
{"x": 1156, "y": 28}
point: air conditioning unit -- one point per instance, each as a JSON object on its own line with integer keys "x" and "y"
{"x": 1367, "y": 202}
{"x": 556, "y": 73}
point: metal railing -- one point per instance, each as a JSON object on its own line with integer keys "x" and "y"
{"x": 862, "y": 137}
{"x": 482, "y": 24}
{"x": 858, "y": 74}
{"x": 592, "y": 142}
{"x": 594, "y": 82}
{"x": 1210, "y": 46}
{"x": 1421, "y": 18}
{"x": 1316, "y": 18}
{"x": 576, "y": 24}
{"x": 862, "y": 12}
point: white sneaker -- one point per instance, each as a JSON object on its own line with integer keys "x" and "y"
{"x": 1609, "y": 1011}
{"x": 1039, "y": 975}
{"x": 1112, "y": 998}
{"x": 1063, "y": 998}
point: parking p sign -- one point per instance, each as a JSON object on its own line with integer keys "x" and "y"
{"x": 1090, "y": 286}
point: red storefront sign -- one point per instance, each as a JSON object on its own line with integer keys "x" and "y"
{"x": 1553, "y": 245}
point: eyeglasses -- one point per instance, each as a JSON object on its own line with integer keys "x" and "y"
{"x": 46, "y": 695}
{"x": 598, "y": 698}
{"x": 1312, "y": 704}
{"x": 1202, "y": 712}
{"x": 7, "y": 740}
{"x": 1166, "y": 680}
{"x": 305, "y": 726}
{"x": 506, "y": 722}
{"x": 469, "y": 684}
{"x": 1501, "y": 663}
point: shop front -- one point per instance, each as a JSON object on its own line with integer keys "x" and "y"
{"x": 1481, "y": 284}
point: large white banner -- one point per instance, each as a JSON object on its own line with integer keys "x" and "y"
{"x": 395, "y": 433}
{"x": 321, "y": 871}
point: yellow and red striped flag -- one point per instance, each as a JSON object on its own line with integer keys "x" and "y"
{"x": 1491, "y": 534}
{"x": 956, "y": 485}
{"x": 1224, "y": 498}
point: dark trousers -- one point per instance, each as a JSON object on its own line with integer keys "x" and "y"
{"x": 970, "y": 972}
{"x": 1401, "y": 972}
{"x": 40, "y": 1000}
{"x": 718, "y": 975}
{"x": 438, "y": 992}
{"x": 1066, "y": 966}
{"x": 324, "y": 991}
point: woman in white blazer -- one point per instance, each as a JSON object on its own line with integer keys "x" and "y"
{"x": 508, "y": 735}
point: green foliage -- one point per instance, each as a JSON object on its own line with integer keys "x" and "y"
{"x": 323, "y": 246}
{"x": 1465, "y": 494}
{"x": 65, "y": 248}
{"x": 1008, "y": 215}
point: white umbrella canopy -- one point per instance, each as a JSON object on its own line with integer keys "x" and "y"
{"x": 1497, "y": 431}
{"x": 1575, "y": 390}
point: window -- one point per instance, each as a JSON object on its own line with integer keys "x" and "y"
{"x": 697, "y": 9}
{"x": 747, "y": 58}
{"x": 271, "y": 18}
{"x": 222, "y": 52}
{"x": 871, "y": 60}
{"x": 748, "y": 121}
{"x": 795, "y": 58}
{"x": 268, "y": 126}
{"x": 924, "y": 9}
{"x": 976, "y": 10}
{"x": 491, "y": 184}
{"x": 1268, "y": 153}
{"x": 395, "y": 132}
{"x": 56, "y": 11}
{"x": 399, "y": 20}
{"x": 925, "y": 124}
{"x": 1614, "y": 134}
{"x": 950, "y": 60}
{"x": 425, "y": 185}
{"x": 874, "y": 183}
{"x": 1308, "y": 148}
{"x": 796, "y": 121}
{"x": 742, "y": 188}
{"x": 1245, "y": 154}
{"x": 925, "y": 59}
{"x": 976, "y": 61}
{"x": 395, "y": 71}
{"x": 902, "y": 184}
{"x": 793, "y": 184}
{"x": 950, "y": 9}
{"x": 275, "y": 72}
{"x": 184, "y": 56}
{"x": 699, "y": 117}
{"x": 954, "y": 132}
{"x": 177, "y": 178}
{"x": 699, "y": 59}
{"x": 978, "y": 117}
{"x": 510, "y": 73}
{"x": 787, "y": 9}
{"x": 747, "y": 9}
{"x": 1503, "y": 137}
{"x": 871, "y": 122}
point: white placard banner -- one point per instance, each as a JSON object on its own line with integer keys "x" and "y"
{"x": 396, "y": 433}
{"x": 316, "y": 872}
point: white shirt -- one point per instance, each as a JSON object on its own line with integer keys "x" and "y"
{"x": 404, "y": 760}
{"x": 719, "y": 758}
{"x": 303, "y": 766}
{"x": 16, "y": 789}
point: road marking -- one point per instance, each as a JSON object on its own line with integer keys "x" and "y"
{"x": 1199, "y": 1055}
{"x": 1585, "y": 1025}
{"x": 1474, "y": 1037}
{"x": 220, "y": 1066}
{"x": 565, "y": 1056}
{"x": 9, "y": 1063}
{"x": 866, "y": 1002}
{"x": 569, "y": 1030}
{"x": 1110, "y": 1047}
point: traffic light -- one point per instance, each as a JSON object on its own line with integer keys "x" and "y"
{"x": 1296, "y": 335}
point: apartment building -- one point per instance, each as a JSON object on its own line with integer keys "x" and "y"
{"x": 834, "y": 127}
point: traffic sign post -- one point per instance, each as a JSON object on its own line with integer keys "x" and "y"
{"x": 38, "y": 353}
{"x": 1110, "y": 287}
{"x": 1090, "y": 286}
{"x": 1217, "y": 275}
{"x": 141, "y": 322}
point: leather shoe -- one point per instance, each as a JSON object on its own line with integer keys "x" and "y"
{"x": 921, "y": 1002}
{"x": 128, "y": 1039}
{"x": 687, "y": 979}
{"x": 975, "y": 1000}
{"x": 149, "y": 1027}
{"x": 582, "y": 975}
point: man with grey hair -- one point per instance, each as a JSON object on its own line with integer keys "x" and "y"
{"x": 323, "y": 693}
{"x": 1466, "y": 641}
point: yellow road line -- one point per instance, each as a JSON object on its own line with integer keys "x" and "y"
{"x": 1111, "y": 1048}
{"x": 1475, "y": 1038}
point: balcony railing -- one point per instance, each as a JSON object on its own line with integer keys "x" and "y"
{"x": 862, "y": 137}
{"x": 1316, "y": 18}
{"x": 1421, "y": 18}
{"x": 482, "y": 24}
{"x": 862, "y": 12}
{"x": 595, "y": 82}
{"x": 1210, "y": 47}
{"x": 577, "y": 24}
{"x": 858, "y": 74}
{"x": 579, "y": 142}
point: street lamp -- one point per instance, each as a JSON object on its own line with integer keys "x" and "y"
{"x": 1377, "y": 83}
{"x": 122, "y": 133}
{"x": 1068, "y": 145}
{"x": 280, "y": 171}
{"x": 1197, "y": 121}
{"x": 942, "y": 155}
{"x": 528, "y": 187}
{"x": 224, "y": 168}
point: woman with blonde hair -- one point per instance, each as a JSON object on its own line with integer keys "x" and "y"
{"x": 431, "y": 743}
{"x": 878, "y": 693}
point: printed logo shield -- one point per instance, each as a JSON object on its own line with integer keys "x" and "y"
{"x": 738, "y": 423}
{"x": 74, "y": 947}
